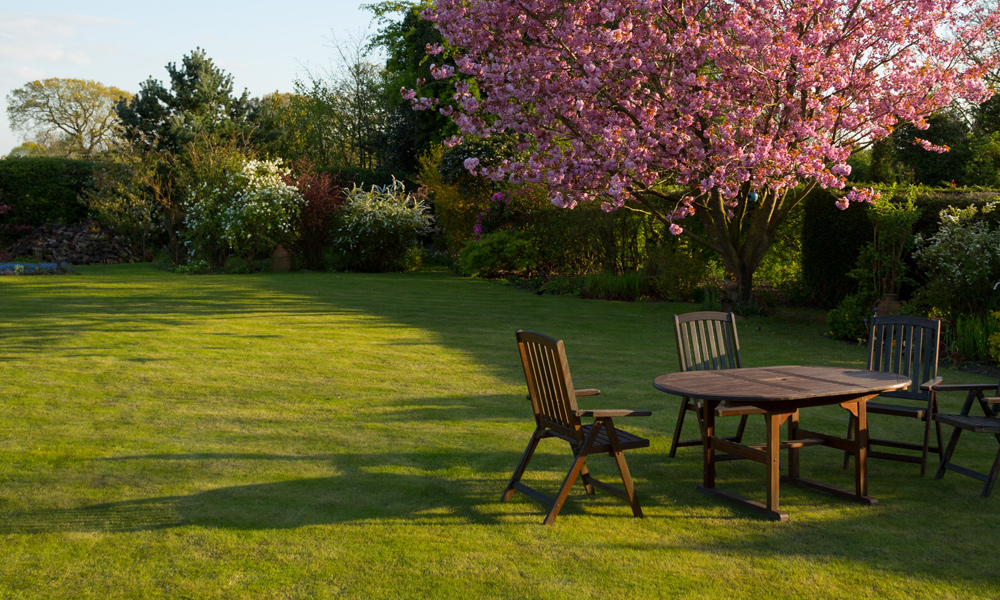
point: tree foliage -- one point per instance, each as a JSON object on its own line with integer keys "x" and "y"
{"x": 199, "y": 101}
{"x": 77, "y": 113}
{"x": 738, "y": 102}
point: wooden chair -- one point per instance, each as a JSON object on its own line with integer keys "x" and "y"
{"x": 988, "y": 423}
{"x": 905, "y": 346}
{"x": 553, "y": 400}
{"x": 708, "y": 341}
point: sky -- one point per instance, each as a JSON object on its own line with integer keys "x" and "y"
{"x": 265, "y": 46}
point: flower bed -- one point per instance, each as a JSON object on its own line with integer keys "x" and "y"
{"x": 49, "y": 268}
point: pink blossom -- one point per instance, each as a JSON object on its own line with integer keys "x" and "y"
{"x": 408, "y": 94}
{"x": 470, "y": 163}
{"x": 453, "y": 140}
{"x": 676, "y": 229}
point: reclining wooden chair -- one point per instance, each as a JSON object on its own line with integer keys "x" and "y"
{"x": 553, "y": 400}
{"x": 988, "y": 423}
{"x": 707, "y": 341}
{"x": 905, "y": 346}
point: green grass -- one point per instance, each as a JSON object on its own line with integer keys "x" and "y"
{"x": 332, "y": 435}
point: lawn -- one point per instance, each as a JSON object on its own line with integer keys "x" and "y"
{"x": 314, "y": 435}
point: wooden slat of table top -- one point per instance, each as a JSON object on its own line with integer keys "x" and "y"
{"x": 777, "y": 383}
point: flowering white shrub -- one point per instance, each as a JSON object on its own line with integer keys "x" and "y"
{"x": 379, "y": 228}
{"x": 247, "y": 212}
{"x": 961, "y": 262}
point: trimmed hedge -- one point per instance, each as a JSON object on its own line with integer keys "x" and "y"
{"x": 44, "y": 189}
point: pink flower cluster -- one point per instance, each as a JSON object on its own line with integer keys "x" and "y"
{"x": 613, "y": 97}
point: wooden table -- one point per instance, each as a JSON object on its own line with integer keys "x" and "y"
{"x": 781, "y": 392}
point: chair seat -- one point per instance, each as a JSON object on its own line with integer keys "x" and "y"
{"x": 626, "y": 440}
{"x": 971, "y": 423}
{"x": 897, "y": 410}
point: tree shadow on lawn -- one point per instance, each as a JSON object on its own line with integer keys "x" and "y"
{"x": 401, "y": 487}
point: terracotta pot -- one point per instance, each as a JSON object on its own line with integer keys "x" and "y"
{"x": 281, "y": 259}
{"x": 890, "y": 305}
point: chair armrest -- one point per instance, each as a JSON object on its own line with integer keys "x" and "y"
{"x": 992, "y": 400}
{"x": 587, "y": 392}
{"x": 964, "y": 387}
{"x": 620, "y": 412}
{"x": 933, "y": 384}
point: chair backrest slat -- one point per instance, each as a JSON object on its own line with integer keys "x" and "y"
{"x": 907, "y": 346}
{"x": 706, "y": 341}
{"x": 550, "y": 386}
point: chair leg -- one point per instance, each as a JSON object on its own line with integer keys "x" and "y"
{"x": 850, "y": 436}
{"x": 946, "y": 457}
{"x": 992, "y": 477}
{"x": 927, "y": 442}
{"x": 738, "y": 438}
{"x": 508, "y": 492}
{"x": 633, "y": 501}
{"x": 585, "y": 478}
{"x": 677, "y": 428}
{"x": 579, "y": 463}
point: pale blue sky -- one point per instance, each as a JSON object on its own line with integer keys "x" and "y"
{"x": 265, "y": 46}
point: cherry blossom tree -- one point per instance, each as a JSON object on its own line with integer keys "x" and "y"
{"x": 745, "y": 104}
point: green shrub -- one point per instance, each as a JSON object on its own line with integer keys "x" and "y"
{"x": 124, "y": 205}
{"x": 503, "y": 253}
{"x": 379, "y": 228}
{"x": 609, "y": 286}
{"x": 969, "y": 337}
{"x": 676, "y": 268}
{"x": 850, "y": 319}
{"x": 961, "y": 263}
{"x": 42, "y": 190}
{"x": 994, "y": 339}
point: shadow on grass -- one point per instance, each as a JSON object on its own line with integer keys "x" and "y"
{"x": 355, "y": 494}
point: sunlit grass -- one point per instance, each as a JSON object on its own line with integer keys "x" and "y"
{"x": 330, "y": 435}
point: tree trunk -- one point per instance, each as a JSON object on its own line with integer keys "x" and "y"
{"x": 740, "y": 235}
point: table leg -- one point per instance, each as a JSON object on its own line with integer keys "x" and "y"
{"x": 773, "y": 424}
{"x": 793, "y": 451}
{"x": 708, "y": 418}
{"x": 861, "y": 458}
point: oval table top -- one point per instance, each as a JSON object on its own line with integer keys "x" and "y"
{"x": 763, "y": 385}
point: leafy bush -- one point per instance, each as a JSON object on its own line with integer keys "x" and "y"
{"x": 264, "y": 211}
{"x": 676, "y": 268}
{"x": 994, "y": 339}
{"x": 961, "y": 262}
{"x": 317, "y": 221}
{"x": 850, "y": 319}
{"x": 969, "y": 337}
{"x": 455, "y": 207}
{"x": 500, "y": 254}
{"x": 379, "y": 228}
{"x": 609, "y": 286}
{"x": 247, "y": 211}
{"x": 210, "y": 180}
{"x": 122, "y": 203}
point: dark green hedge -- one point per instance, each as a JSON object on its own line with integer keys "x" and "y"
{"x": 44, "y": 189}
{"x": 833, "y": 238}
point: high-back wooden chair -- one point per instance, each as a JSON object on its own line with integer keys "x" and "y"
{"x": 965, "y": 421}
{"x": 905, "y": 346}
{"x": 553, "y": 400}
{"x": 707, "y": 341}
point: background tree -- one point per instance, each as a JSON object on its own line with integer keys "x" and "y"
{"x": 405, "y": 37}
{"x": 748, "y": 105}
{"x": 199, "y": 101}
{"x": 349, "y": 103}
{"x": 77, "y": 113}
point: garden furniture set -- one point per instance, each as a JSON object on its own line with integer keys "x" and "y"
{"x": 712, "y": 383}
